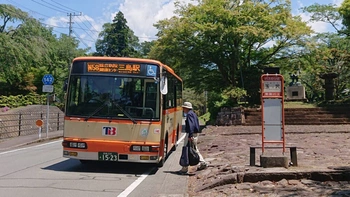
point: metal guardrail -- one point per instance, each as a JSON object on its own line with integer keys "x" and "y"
{"x": 12, "y": 125}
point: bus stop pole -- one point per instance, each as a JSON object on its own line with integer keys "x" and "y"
{"x": 47, "y": 116}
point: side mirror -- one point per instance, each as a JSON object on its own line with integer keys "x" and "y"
{"x": 164, "y": 85}
{"x": 65, "y": 85}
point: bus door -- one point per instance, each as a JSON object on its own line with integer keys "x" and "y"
{"x": 151, "y": 96}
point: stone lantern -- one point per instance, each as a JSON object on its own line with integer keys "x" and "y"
{"x": 329, "y": 84}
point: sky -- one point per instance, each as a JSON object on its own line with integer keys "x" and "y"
{"x": 88, "y": 16}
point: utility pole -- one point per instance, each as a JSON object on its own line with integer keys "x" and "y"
{"x": 70, "y": 22}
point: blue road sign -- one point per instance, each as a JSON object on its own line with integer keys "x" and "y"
{"x": 48, "y": 79}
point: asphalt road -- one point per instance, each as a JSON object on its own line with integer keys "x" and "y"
{"x": 40, "y": 171}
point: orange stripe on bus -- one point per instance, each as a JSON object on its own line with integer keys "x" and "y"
{"x": 107, "y": 120}
{"x": 171, "y": 110}
{"x": 109, "y": 146}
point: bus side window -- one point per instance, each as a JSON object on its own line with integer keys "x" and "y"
{"x": 151, "y": 95}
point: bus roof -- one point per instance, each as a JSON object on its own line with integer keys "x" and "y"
{"x": 127, "y": 59}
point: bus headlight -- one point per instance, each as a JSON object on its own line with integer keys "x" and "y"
{"x": 145, "y": 148}
{"x": 81, "y": 145}
{"x": 73, "y": 145}
{"x": 136, "y": 148}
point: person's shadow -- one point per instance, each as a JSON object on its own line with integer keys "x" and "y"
{"x": 181, "y": 174}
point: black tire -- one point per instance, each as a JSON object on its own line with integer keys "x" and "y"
{"x": 177, "y": 139}
{"x": 161, "y": 163}
{"x": 177, "y": 133}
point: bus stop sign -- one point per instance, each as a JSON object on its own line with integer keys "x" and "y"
{"x": 48, "y": 79}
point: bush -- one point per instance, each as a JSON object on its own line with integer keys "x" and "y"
{"x": 22, "y": 100}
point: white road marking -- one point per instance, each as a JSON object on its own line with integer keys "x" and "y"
{"x": 138, "y": 181}
{"x": 15, "y": 150}
{"x": 182, "y": 138}
{"x": 127, "y": 191}
{"x": 133, "y": 185}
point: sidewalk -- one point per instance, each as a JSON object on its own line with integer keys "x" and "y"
{"x": 14, "y": 142}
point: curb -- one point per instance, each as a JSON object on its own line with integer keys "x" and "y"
{"x": 254, "y": 177}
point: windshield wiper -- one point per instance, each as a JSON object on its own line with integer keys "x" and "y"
{"x": 96, "y": 111}
{"x": 124, "y": 112}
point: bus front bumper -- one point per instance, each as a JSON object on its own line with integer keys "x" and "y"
{"x": 108, "y": 156}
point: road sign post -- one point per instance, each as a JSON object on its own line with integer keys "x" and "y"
{"x": 272, "y": 107}
{"x": 48, "y": 80}
{"x": 39, "y": 123}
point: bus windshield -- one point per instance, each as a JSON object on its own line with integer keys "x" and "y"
{"x": 114, "y": 97}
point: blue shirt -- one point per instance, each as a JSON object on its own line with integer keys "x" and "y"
{"x": 192, "y": 123}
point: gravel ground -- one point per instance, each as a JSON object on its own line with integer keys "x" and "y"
{"x": 319, "y": 148}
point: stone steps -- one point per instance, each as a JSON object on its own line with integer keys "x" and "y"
{"x": 305, "y": 116}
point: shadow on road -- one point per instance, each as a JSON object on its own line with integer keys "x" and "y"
{"x": 72, "y": 165}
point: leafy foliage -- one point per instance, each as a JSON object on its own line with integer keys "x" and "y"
{"x": 117, "y": 39}
{"x": 20, "y": 100}
{"x": 216, "y": 44}
{"x": 199, "y": 101}
{"x": 29, "y": 50}
{"x": 344, "y": 11}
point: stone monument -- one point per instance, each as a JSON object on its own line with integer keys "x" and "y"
{"x": 295, "y": 90}
{"x": 329, "y": 85}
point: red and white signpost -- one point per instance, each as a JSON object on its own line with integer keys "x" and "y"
{"x": 272, "y": 107}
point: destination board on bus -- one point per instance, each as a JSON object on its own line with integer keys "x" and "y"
{"x": 113, "y": 68}
{"x": 149, "y": 70}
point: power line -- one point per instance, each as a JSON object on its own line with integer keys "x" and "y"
{"x": 48, "y": 6}
{"x": 19, "y": 5}
{"x": 55, "y": 6}
{"x": 74, "y": 11}
{"x": 10, "y": 11}
{"x": 85, "y": 26}
{"x": 90, "y": 23}
{"x": 64, "y": 6}
{"x": 86, "y": 32}
{"x": 81, "y": 40}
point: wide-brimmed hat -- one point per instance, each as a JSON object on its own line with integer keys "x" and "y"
{"x": 187, "y": 105}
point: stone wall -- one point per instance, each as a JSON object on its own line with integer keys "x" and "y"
{"x": 230, "y": 116}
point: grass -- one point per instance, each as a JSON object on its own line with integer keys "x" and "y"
{"x": 205, "y": 117}
{"x": 299, "y": 105}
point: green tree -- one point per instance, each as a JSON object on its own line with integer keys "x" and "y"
{"x": 325, "y": 13}
{"x": 198, "y": 100}
{"x": 145, "y": 48}
{"x": 344, "y": 11}
{"x": 219, "y": 44}
{"x": 22, "y": 47}
{"x": 117, "y": 39}
{"x": 29, "y": 50}
{"x": 328, "y": 52}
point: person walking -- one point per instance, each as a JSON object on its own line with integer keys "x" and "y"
{"x": 192, "y": 130}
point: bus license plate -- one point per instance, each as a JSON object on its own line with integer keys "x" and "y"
{"x": 107, "y": 156}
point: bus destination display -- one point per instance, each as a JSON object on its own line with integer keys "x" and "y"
{"x": 114, "y": 68}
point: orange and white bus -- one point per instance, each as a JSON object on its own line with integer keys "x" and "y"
{"x": 121, "y": 109}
